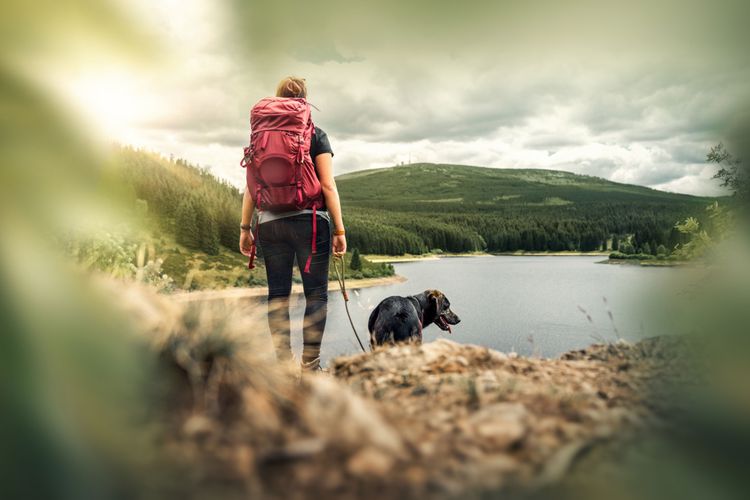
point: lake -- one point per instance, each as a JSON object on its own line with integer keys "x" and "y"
{"x": 529, "y": 305}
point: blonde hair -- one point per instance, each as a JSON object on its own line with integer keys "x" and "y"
{"x": 291, "y": 86}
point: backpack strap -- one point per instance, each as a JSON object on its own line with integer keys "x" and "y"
{"x": 251, "y": 262}
{"x": 314, "y": 237}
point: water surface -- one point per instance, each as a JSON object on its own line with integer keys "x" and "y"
{"x": 530, "y": 305}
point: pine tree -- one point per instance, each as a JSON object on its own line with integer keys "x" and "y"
{"x": 187, "y": 231}
{"x": 356, "y": 262}
{"x": 209, "y": 230}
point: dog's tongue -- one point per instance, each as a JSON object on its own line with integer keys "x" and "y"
{"x": 449, "y": 329}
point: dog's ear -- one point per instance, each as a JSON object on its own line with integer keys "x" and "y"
{"x": 435, "y": 299}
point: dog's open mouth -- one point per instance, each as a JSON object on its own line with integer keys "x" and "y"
{"x": 442, "y": 323}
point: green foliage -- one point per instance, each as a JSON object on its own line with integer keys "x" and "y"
{"x": 732, "y": 172}
{"x": 121, "y": 256}
{"x": 455, "y": 209}
{"x": 632, "y": 256}
{"x": 186, "y": 226}
{"x": 415, "y": 208}
{"x": 661, "y": 250}
{"x": 703, "y": 239}
{"x": 152, "y": 274}
{"x": 111, "y": 253}
{"x": 367, "y": 268}
{"x": 356, "y": 263}
{"x": 184, "y": 200}
{"x": 646, "y": 248}
{"x": 208, "y": 228}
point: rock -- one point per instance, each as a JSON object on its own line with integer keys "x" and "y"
{"x": 370, "y": 461}
{"x": 347, "y": 419}
{"x": 436, "y": 420}
{"x": 198, "y": 427}
{"x": 499, "y": 426}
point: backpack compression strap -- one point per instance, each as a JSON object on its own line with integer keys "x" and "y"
{"x": 250, "y": 263}
{"x": 314, "y": 237}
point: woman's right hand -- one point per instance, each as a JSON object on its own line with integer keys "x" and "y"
{"x": 339, "y": 245}
{"x": 246, "y": 242}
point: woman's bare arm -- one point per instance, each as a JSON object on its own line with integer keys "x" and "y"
{"x": 248, "y": 207}
{"x": 324, "y": 165}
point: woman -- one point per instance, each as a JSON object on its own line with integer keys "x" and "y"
{"x": 286, "y": 236}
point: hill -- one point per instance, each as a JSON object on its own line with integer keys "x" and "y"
{"x": 188, "y": 220}
{"x": 421, "y": 207}
{"x": 468, "y": 188}
{"x": 191, "y": 217}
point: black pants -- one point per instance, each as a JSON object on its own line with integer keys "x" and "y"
{"x": 281, "y": 241}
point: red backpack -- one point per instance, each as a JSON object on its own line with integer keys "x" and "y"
{"x": 281, "y": 174}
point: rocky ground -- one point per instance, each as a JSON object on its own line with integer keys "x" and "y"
{"x": 438, "y": 420}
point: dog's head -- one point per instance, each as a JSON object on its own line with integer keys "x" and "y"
{"x": 439, "y": 303}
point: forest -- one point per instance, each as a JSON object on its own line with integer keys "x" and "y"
{"x": 429, "y": 208}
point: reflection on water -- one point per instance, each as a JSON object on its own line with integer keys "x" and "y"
{"x": 531, "y": 305}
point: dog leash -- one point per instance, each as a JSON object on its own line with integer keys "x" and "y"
{"x": 342, "y": 285}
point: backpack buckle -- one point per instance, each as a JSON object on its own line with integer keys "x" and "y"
{"x": 247, "y": 157}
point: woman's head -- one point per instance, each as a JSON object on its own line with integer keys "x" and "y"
{"x": 291, "y": 86}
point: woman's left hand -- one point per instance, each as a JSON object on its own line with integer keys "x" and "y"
{"x": 339, "y": 245}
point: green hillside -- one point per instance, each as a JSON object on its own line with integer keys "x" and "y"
{"x": 424, "y": 186}
{"x": 189, "y": 220}
{"x": 422, "y": 207}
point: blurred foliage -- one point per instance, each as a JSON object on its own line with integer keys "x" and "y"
{"x": 77, "y": 416}
{"x": 733, "y": 172}
{"x": 72, "y": 376}
{"x": 702, "y": 241}
{"x": 721, "y": 222}
{"x": 107, "y": 252}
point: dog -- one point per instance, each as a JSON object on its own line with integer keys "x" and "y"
{"x": 401, "y": 319}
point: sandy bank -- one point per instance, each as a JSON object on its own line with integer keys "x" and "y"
{"x": 416, "y": 258}
{"x": 262, "y": 291}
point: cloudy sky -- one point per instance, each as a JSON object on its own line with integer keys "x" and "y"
{"x": 633, "y": 91}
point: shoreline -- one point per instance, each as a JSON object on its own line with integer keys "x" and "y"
{"x": 394, "y": 259}
{"x": 645, "y": 262}
{"x": 261, "y": 291}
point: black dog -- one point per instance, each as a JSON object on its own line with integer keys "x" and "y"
{"x": 401, "y": 319}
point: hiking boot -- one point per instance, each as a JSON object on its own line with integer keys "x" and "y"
{"x": 311, "y": 366}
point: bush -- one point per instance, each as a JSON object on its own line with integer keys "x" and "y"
{"x": 634, "y": 256}
{"x": 356, "y": 262}
{"x": 627, "y": 248}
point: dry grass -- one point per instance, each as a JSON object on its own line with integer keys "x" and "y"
{"x": 438, "y": 420}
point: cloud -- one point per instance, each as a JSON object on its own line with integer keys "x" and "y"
{"x": 634, "y": 92}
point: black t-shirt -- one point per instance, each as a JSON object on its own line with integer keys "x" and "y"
{"x": 319, "y": 144}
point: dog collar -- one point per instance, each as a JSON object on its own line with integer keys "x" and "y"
{"x": 418, "y": 307}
